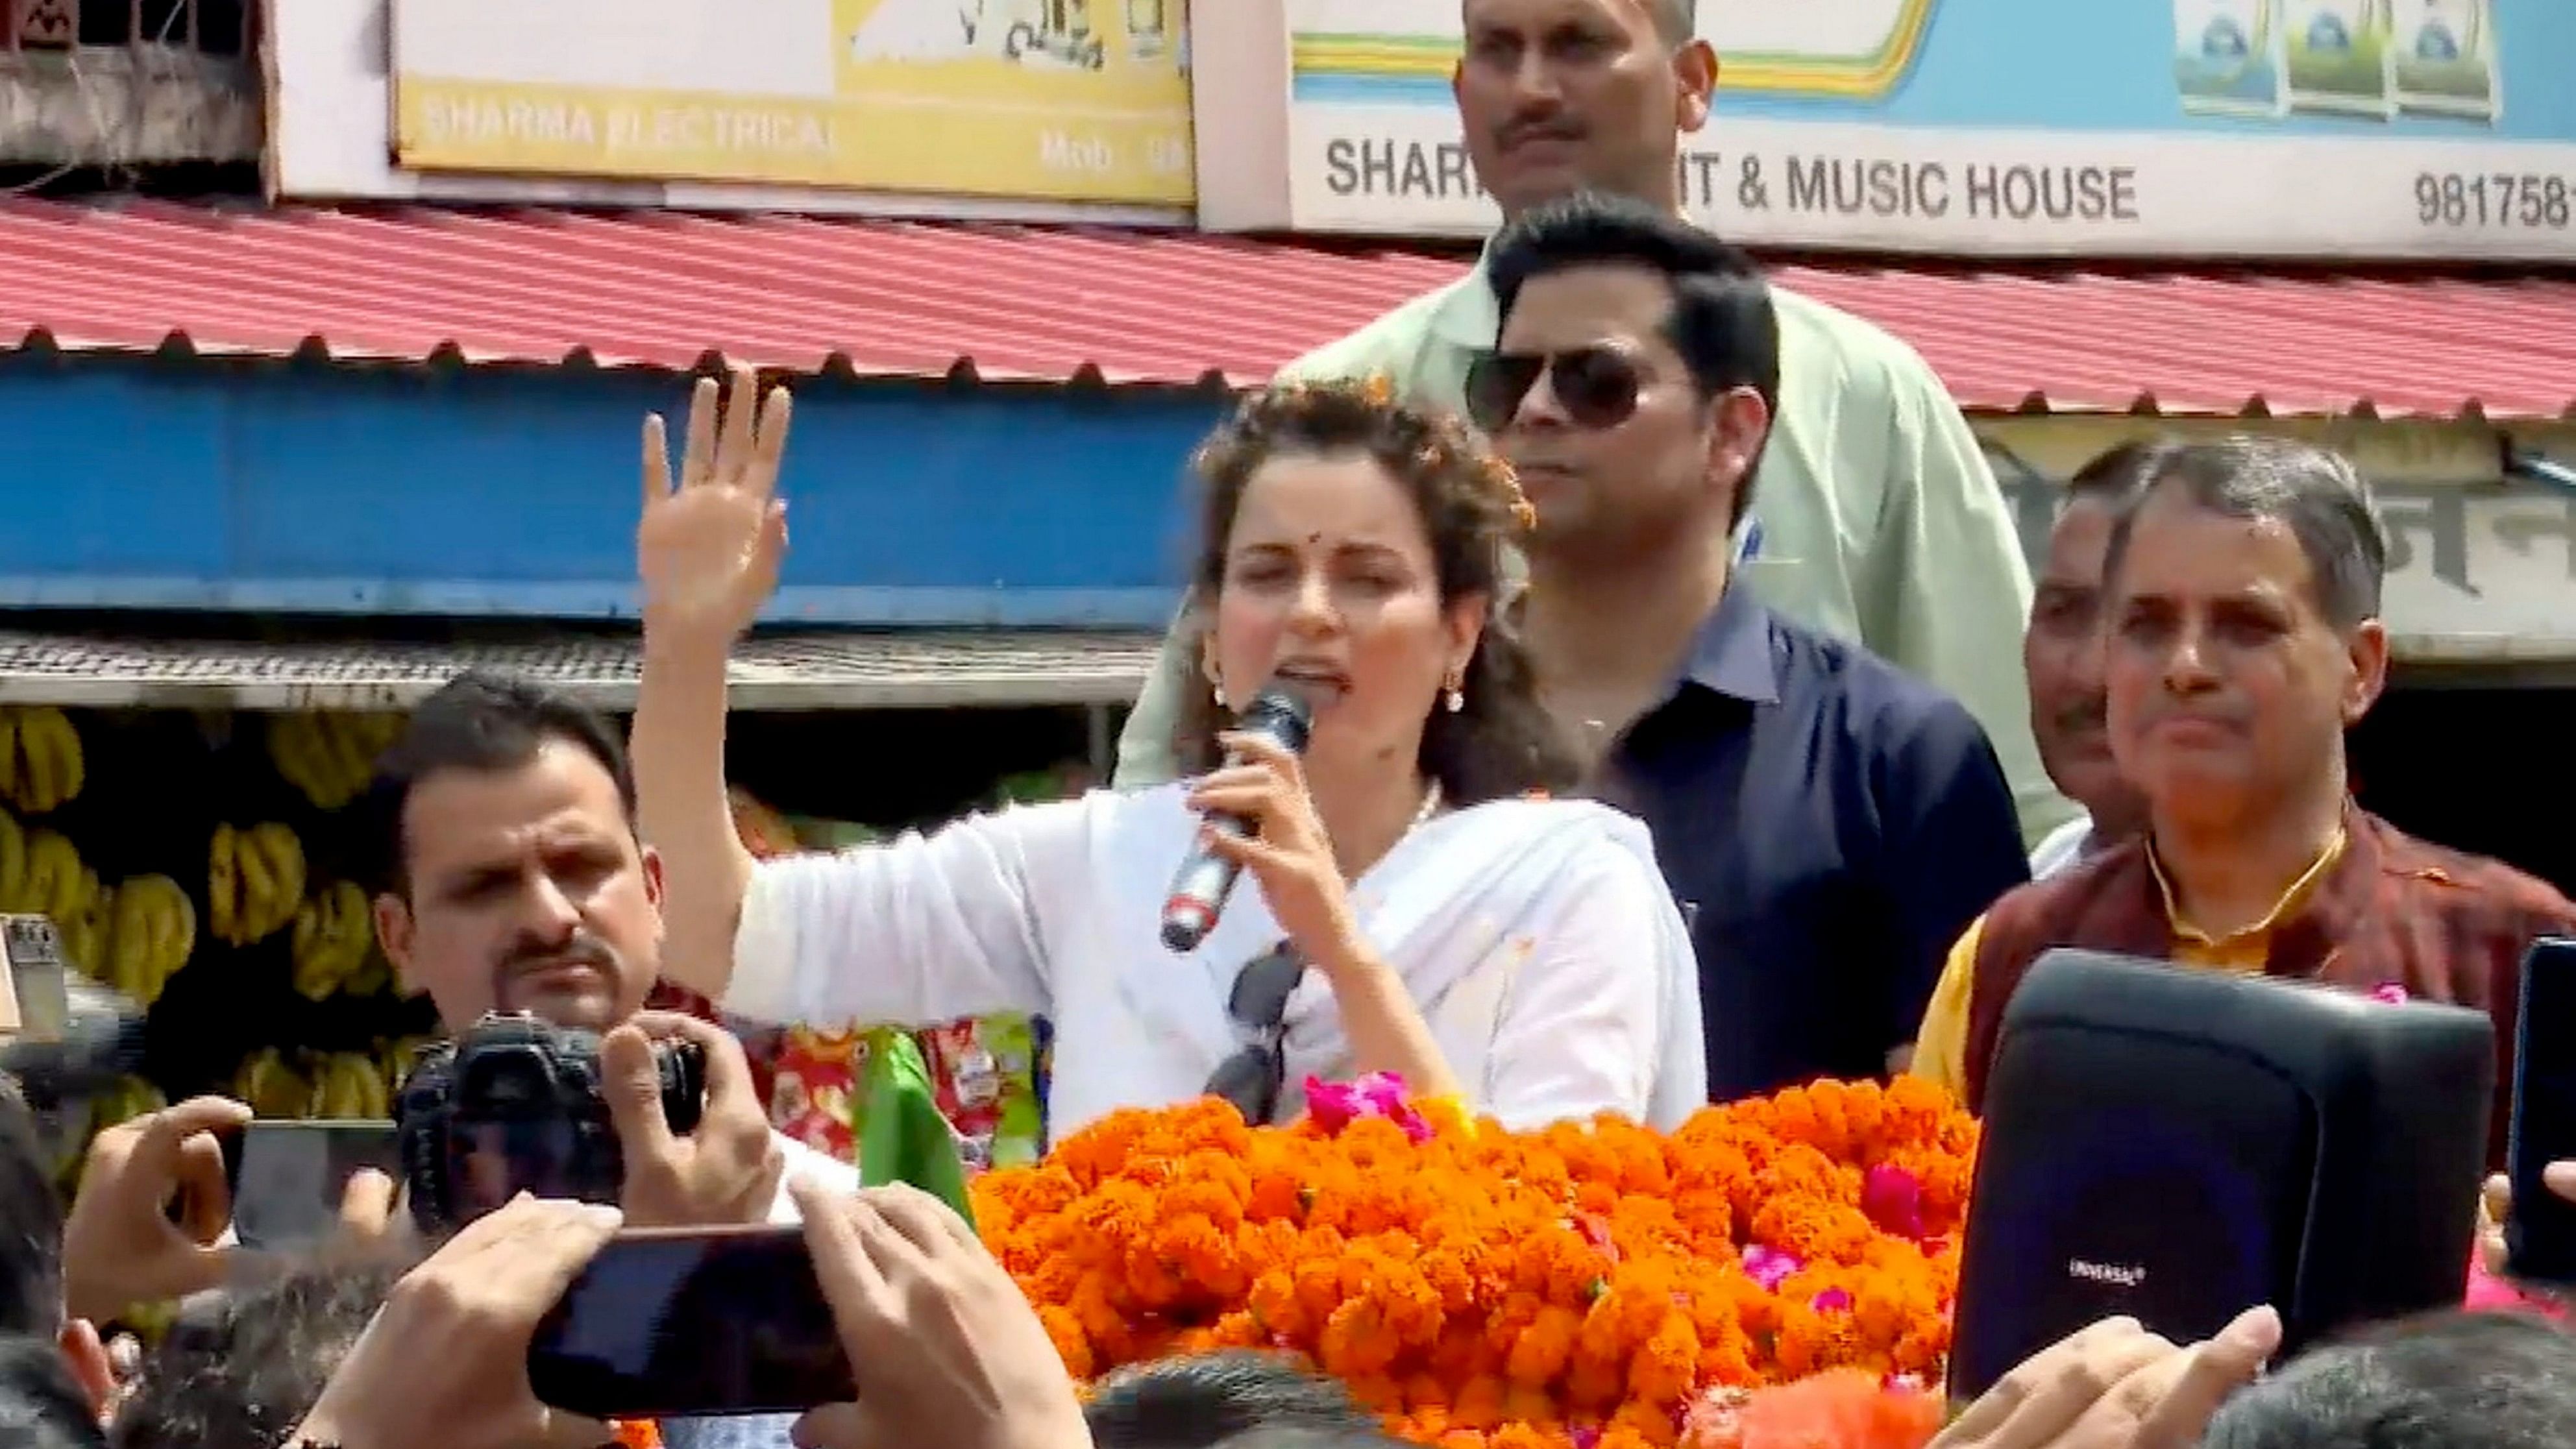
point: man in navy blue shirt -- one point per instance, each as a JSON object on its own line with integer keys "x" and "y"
{"x": 1828, "y": 822}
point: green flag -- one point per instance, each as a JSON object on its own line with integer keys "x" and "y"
{"x": 902, "y": 1137}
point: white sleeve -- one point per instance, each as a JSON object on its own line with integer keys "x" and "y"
{"x": 915, "y": 931}
{"x": 1585, "y": 1027}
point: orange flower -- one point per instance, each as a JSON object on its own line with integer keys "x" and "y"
{"x": 1579, "y": 1287}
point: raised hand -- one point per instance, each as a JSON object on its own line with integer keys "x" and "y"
{"x": 709, "y": 546}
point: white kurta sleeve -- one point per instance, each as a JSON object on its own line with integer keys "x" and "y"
{"x": 915, "y": 931}
{"x": 1590, "y": 1022}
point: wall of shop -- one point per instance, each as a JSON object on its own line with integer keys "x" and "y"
{"x": 311, "y": 488}
{"x": 512, "y": 492}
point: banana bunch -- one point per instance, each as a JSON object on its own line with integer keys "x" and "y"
{"x": 254, "y": 881}
{"x": 41, "y": 873}
{"x": 339, "y": 1085}
{"x": 41, "y": 765}
{"x": 151, "y": 931}
{"x": 335, "y": 942}
{"x": 330, "y": 757}
{"x": 394, "y": 1060}
{"x": 271, "y": 1087}
{"x": 348, "y": 1085}
{"x": 130, "y": 1098}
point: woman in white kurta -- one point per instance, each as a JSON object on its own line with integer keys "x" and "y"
{"x": 1453, "y": 925}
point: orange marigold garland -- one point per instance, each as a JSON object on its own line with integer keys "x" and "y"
{"x": 1597, "y": 1286}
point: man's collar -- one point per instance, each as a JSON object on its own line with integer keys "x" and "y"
{"x": 1469, "y": 316}
{"x": 1731, "y": 653}
{"x": 2291, "y": 900}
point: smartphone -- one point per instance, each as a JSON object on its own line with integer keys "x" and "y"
{"x": 2540, "y": 1236}
{"x": 287, "y": 1177}
{"x": 692, "y": 1323}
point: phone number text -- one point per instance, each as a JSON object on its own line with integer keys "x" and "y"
{"x": 2520, "y": 199}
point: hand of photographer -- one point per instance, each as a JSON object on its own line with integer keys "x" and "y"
{"x": 2116, "y": 1386}
{"x": 724, "y": 1172}
{"x": 2495, "y": 1209}
{"x": 946, "y": 1347}
{"x": 444, "y": 1364}
{"x": 120, "y": 1247}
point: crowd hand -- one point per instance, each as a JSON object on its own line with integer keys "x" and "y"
{"x": 944, "y": 1344}
{"x": 2495, "y": 1208}
{"x": 444, "y": 1364}
{"x": 708, "y": 548}
{"x": 120, "y": 1247}
{"x": 726, "y": 1171}
{"x": 1289, "y": 854}
{"x": 2116, "y": 1386}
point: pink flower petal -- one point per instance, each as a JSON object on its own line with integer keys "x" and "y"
{"x": 1769, "y": 1267}
{"x": 1332, "y": 1104}
{"x": 2390, "y": 994}
{"x": 1383, "y": 1092}
{"x": 1832, "y": 1300}
{"x": 1892, "y": 1199}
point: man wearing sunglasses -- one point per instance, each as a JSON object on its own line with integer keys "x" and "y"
{"x": 1877, "y": 518}
{"x": 1830, "y": 821}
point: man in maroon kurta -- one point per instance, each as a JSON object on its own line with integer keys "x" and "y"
{"x": 2242, "y": 640}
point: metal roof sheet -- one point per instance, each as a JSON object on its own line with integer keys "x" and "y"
{"x": 1021, "y": 303}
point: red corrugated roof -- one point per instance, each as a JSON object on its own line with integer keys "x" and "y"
{"x": 1049, "y": 304}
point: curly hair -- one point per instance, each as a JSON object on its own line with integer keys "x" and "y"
{"x": 1501, "y": 743}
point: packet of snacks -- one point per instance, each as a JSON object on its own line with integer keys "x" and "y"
{"x": 985, "y": 1071}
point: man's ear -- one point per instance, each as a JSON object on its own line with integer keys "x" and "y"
{"x": 90, "y": 1365}
{"x": 1694, "y": 85}
{"x": 394, "y": 934}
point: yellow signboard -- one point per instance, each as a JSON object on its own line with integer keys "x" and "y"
{"x": 1062, "y": 100}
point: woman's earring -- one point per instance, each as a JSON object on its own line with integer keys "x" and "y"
{"x": 1456, "y": 691}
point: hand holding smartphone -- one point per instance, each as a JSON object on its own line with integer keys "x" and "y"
{"x": 2540, "y": 1231}
{"x": 289, "y": 1179}
{"x": 697, "y": 1322}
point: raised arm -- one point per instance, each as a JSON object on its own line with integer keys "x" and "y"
{"x": 707, "y": 551}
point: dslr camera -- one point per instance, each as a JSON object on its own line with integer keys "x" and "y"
{"x": 514, "y": 1105}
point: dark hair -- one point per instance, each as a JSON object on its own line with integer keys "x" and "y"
{"x": 2313, "y": 491}
{"x": 31, "y": 1225}
{"x": 483, "y": 722}
{"x": 251, "y": 1374}
{"x": 2451, "y": 1381}
{"x": 1210, "y": 1399}
{"x": 2117, "y": 475}
{"x": 41, "y": 1404}
{"x": 1723, "y": 323}
{"x": 1501, "y": 743}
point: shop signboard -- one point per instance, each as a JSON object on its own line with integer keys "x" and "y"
{"x": 2480, "y": 569}
{"x": 2189, "y": 128}
{"x": 1061, "y": 100}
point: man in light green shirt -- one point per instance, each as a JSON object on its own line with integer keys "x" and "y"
{"x": 1875, "y": 516}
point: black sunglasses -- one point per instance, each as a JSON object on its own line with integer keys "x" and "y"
{"x": 1597, "y": 386}
{"x": 1253, "y": 1077}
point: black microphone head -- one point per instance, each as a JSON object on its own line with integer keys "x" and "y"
{"x": 1283, "y": 713}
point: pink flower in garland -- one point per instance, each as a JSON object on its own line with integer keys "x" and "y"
{"x": 1892, "y": 1198}
{"x": 2389, "y": 994}
{"x": 1832, "y": 1300}
{"x": 1335, "y": 1105}
{"x": 1769, "y": 1266}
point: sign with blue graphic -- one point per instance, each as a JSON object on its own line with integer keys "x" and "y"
{"x": 2361, "y": 128}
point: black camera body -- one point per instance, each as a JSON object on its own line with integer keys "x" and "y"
{"x": 515, "y": 1105}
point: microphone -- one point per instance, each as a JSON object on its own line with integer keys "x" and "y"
{"x": 1205, "y": 879}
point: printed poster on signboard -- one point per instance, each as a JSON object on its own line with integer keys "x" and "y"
{"x": 1072, "y": 100}
{"x": 2394, "y": 128}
